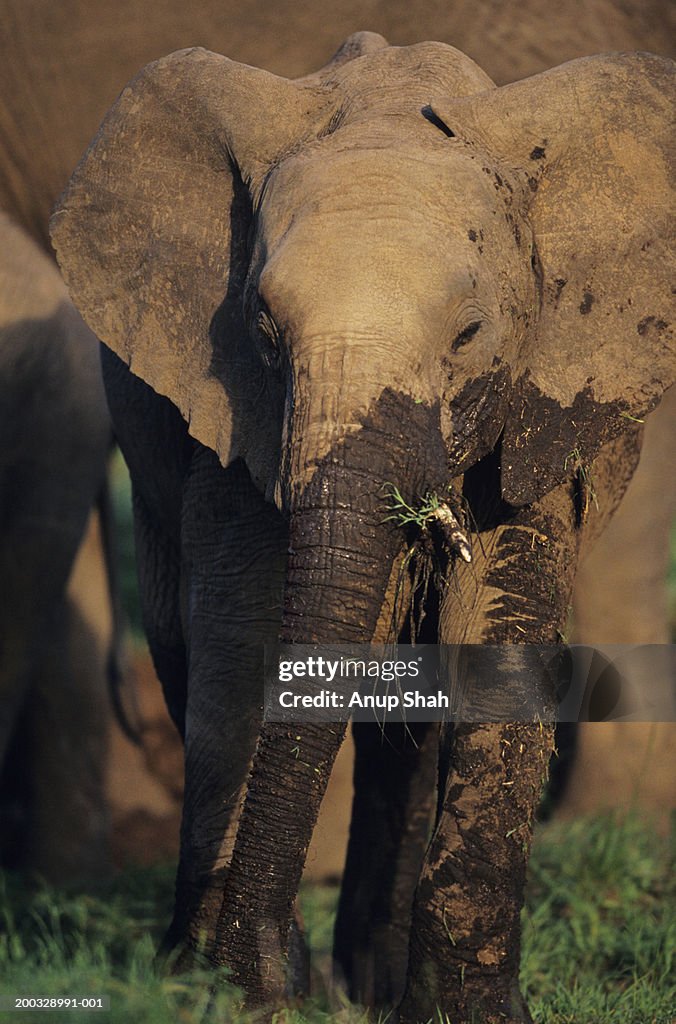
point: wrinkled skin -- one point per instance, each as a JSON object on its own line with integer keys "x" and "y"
{"x": 388, "y": 271}
{"x": 65, "y": 63}
{"x": 55, "y": 627}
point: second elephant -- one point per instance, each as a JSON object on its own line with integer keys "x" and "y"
{"x": 55, "y": 604}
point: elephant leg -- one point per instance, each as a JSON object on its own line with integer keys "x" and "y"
{"x": 465, "y": 942}
{"x": 255, "y": 928}
{"x": 394, "y": 787}
{"x": 157, "y": 448}
{"x": 158, "y": 564}
{"x": 233, "y": 549}
{"x": 158, "y": 568}
{"x": 465, "y": 935}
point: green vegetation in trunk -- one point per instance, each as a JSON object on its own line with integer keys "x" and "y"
{"x": 432, "y": 512}
{"x": 436, "y": 529}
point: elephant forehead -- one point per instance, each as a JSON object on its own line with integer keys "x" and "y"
{"x": 352, "y": 178}
{"x": 380, "y": 273}
{"x": 389, "y": 231}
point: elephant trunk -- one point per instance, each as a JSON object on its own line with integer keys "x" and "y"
{"x": 338, "y": 565}
{"x": 341, "y": 546}
{"x": 340, "y": 560}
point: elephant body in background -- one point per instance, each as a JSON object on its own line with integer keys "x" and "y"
{"x": 55, "y": 611}
{"x": 389, "y": 272}
{"x": 620, "y": 598}
{"x": 64, "y": 64}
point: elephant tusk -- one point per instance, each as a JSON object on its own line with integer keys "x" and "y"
{"x": 458, "y": 539}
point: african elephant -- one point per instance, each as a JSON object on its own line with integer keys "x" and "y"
{"x": 65, "y": 63}
{"x": 55, "y": 625}
{"x": 387, "y": 272}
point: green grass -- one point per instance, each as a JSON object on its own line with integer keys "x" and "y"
{"x": 120, "y": 483}
{"x": 600, "y": 929}
{"x": 599, "y": 939}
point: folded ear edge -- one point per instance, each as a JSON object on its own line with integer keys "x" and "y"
{"x": 144, "y": 231}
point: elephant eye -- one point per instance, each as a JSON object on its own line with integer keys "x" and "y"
{"x": 268, "y": 340}
{"x": 465, "y": 335}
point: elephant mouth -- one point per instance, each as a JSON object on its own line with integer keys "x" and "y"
{"x": 434, "y": 514}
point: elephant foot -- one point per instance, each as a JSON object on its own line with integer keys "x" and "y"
{"x": 272, "y": 970}
{"x": 189, "y": 940}
{"x": 375, "y": 975}
{"x": 180, "y": 959}
{"x": 484, "y": 999}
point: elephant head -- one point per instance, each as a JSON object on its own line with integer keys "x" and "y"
{"x": 377, "y": 274}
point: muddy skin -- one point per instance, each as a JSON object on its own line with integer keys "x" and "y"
{"x": 541, "y": 437}
{"x": 476, "y": 415}
{"x": 651, "y": 321}
{"x": 465, "y": 934}
{"x": 464, "y": 954}
{"x": 587, "y": 303}
{"x": 495, "y": 773}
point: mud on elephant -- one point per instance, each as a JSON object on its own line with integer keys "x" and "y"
{"x": 390, "y": 271}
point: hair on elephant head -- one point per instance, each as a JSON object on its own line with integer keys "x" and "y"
{"x": 380, "y": 274}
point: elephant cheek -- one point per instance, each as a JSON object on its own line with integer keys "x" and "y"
{"x": 473, "y": 418}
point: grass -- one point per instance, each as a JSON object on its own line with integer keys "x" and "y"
{"x": 431, "y": 511}
{"x": 124, "y": 543}
{"x": 586, "y": 480}
{"x": 403, "y": 514}
{"x": 600, "y": 931}
{"x": 599, "y": 939}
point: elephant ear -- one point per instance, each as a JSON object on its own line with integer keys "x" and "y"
{"x": 151, "y": 236}
{"x": 593, "y": 139}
